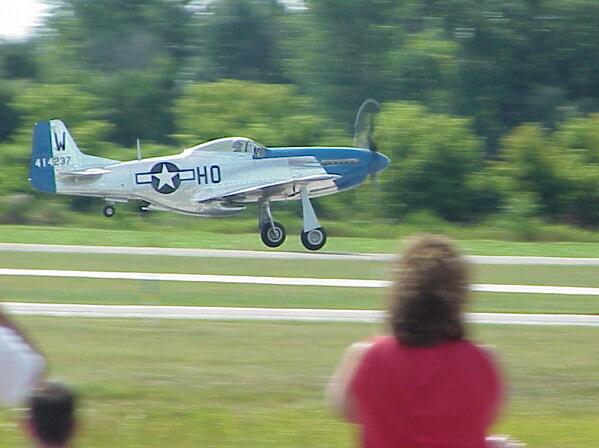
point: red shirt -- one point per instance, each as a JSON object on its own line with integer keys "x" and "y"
{"x": 444, "y": 396}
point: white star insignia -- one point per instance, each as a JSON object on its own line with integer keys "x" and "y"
{"x": 165, "y": 177}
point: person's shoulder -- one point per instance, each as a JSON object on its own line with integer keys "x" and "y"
{"x": 483, "y": 353}
{"x": 377, "y": 347}
{"x": 390, "y": 349}
{"x": 384, "y": 343}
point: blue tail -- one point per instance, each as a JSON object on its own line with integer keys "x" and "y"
{"x": 41, "y": 168}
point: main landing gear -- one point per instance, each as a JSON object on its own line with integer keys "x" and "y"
{"x": 273, "y": 233}
{"x": 314, "y": 236}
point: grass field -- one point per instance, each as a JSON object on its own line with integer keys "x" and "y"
{"x": 506, "y": 274}
{"x": 183, "y": 237}
{"x": 65, "y": 290}
{"x": 223, "y": 384}
{"x": 121, "y": 292}
{"x": 161, "y": 383}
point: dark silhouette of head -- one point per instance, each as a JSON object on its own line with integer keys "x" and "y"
{"x": 430, "y": 290}
{"x": 52, "y": 414}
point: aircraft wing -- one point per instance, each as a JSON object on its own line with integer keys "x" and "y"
{"x": 233, "y": 193}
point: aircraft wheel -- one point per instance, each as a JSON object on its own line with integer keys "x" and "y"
{"x": 108, "y": 211}
{"x": 273, "y": 235}
{"x": 314, "y": 239}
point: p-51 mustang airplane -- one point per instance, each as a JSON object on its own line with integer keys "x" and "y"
{"x": 216, "y": 178}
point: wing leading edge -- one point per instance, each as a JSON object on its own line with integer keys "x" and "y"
{"x": 239, "y": 193}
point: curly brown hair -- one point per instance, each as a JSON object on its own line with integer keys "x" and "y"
{"x": 429, "y": 292}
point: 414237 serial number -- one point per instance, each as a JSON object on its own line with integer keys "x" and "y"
{"x": 52, "y": 161}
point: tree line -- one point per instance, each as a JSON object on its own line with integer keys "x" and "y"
{"x": 486, "y": 105}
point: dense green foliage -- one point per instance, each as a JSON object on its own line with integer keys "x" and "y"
{"x": 488, "y": 107}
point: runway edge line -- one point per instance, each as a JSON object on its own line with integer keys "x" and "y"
{"x": 281, "y": 255}
{"x": 283, "y": 281}
{"x": 274, "y": 314}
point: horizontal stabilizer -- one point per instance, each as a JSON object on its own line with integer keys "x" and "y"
{"x": 84, "y": 173}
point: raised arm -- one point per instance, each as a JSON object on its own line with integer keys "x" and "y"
{"x": 21, "y": 365}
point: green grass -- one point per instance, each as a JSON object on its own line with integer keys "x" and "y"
{"x": 507, "y": 226}
{"x": 506, "y": 274}
{"x": 198, "y": 265}
{"x": 74, "y": 290}
{"x": 183, "y": 236}
{"x": 236, "y": 384}
{"x": 125, "y": 292}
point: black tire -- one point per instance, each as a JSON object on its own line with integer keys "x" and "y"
{"x": 314, "y": 239}
{"x": 108, "y": 211}
{"x": 273, "y": 237}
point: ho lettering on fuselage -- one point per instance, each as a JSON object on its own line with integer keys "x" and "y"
{"x": 166, "y": 177}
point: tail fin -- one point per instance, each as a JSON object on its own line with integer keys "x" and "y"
{"x": 41, "y": 169}
{"x": 53, "y": 151}
{"x": 63, "y": 145}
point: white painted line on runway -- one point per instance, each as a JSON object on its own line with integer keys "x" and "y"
{"x": 200, "y": 253}
{"x": 284, "y": 281}
{"x": 256, "y": 254}
{"x": 534, "y": 319}
{"x": 533, "y": 261}
{"x": 537, "y": 289}
{"x": 314, "y": 315}
{"x": 192, "y": 312}
{"x": 201, "y": 278}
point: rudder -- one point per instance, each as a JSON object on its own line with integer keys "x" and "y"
{"x": 41, "y": 169}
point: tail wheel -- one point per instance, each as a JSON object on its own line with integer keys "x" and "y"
{"x": 273, "y": 235}
{"x": 108, "y": 211}
{"x": 314, "y": 239}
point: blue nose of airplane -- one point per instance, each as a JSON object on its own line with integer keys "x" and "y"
{"x": 378, "y": 162}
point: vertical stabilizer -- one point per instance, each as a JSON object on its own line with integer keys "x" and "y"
{"x": 54, "y": 151}
{"x": 41, "y": 169}
{"x": 64, "y": 149}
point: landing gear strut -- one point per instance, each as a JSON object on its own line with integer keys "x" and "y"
{"x": 108, "y": 211}
{"x": 314, "y": 236}
{"x": 272, "y": 232}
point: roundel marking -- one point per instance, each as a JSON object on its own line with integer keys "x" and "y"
{"x": 165, "y": 177}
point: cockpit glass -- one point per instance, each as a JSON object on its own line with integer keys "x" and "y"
{"x": 240, "y": 145}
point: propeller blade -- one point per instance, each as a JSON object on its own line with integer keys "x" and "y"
{"x": 364, "y": 124}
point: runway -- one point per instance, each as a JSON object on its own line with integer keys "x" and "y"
{"x": 276, "y": 255}
{"x": 283, "y": 281}
{"x": 275, "y": 314}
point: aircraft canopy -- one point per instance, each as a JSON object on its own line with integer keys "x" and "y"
{"x": 233, "y": 144}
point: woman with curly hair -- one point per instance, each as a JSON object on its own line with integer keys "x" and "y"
{"x": 426, "y": 385}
